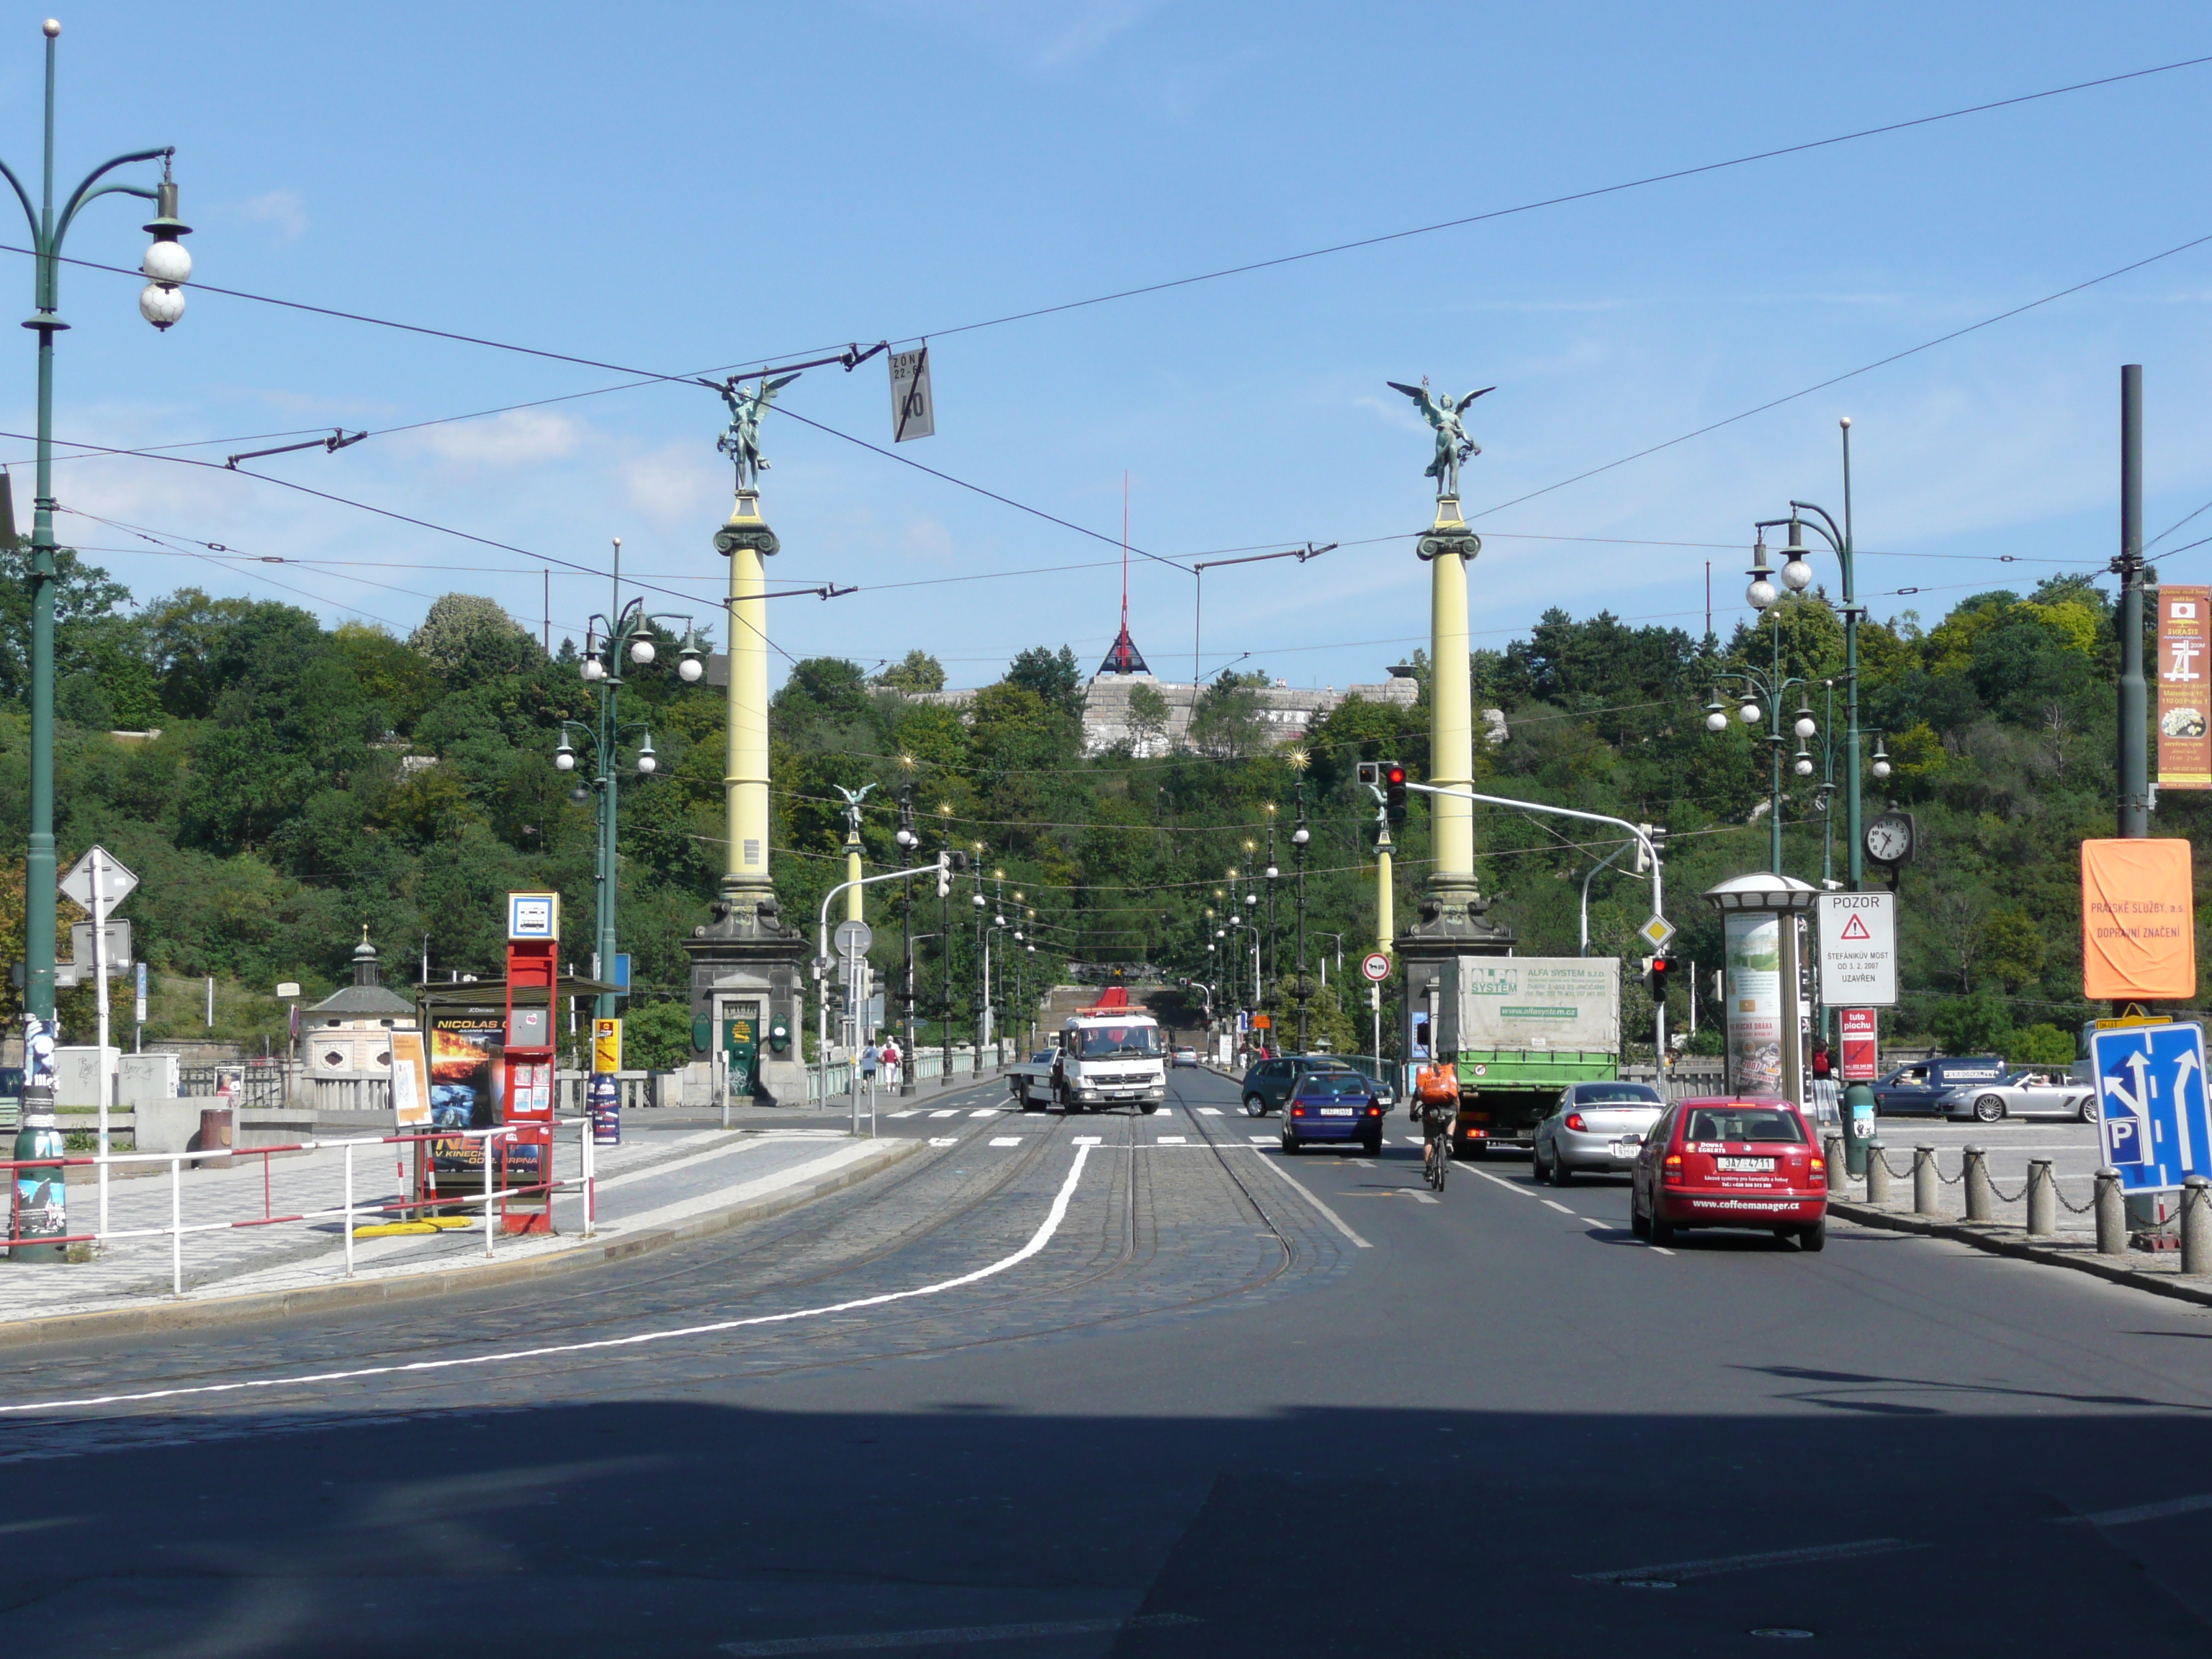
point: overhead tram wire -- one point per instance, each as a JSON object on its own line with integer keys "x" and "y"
{"x": 457, "y": 337}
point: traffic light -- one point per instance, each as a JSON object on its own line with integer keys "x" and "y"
{"x": 1370, "y": 774}
{"x": 945, "y": 875}
{"x": 1393, "y": 791}
{"x": 1659, "y": 972}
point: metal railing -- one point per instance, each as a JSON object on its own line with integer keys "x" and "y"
{"x": 494, "y": 1199}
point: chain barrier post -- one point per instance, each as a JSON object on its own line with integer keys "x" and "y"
{"x": 2112, "y": 1214}
{"x": 1976, "y": 1174}
{"x": 1833, "y": 1149}
{"x": 2042, "y": 1189}
{"x": 2196, "y": 1225}
{"x": 1924, "y": 1177}
{"x": 1877, "y": 1174}
{"x": 491, "y": 1221}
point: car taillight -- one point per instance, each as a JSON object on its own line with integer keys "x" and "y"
{"x": 1374, "y": 1111}
{"x": 1297, "y": 1111}
{"x": 1672, "y": 1170}
{"x": 1820, "y": 1167}
{"x": 1575, "y": 1121}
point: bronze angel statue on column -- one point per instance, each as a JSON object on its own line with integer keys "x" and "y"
{"x": 1453, "y": 445}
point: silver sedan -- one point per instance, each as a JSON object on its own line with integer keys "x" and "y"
{"x": 1597, "y": 1128}
{"x": 2023, "y": 1094}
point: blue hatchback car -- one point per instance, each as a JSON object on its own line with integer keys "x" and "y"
{"x": 1333, "y": 1106}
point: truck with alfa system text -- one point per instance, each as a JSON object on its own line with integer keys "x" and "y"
{"x": 1110, "y": 1055}
{"x": 1520, "y": 1029}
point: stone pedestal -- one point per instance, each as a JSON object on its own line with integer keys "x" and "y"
{"x": 746, "y": 964}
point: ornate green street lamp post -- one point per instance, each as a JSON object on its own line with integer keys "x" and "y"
{"x": 606, "y": 641}
{"x": 40, "y": 1209}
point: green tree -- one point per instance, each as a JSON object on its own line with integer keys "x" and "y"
{"x": 472, "y": 639}
{"x": 657, "y": 1036}
{"x": 1054, "y": 678}
{"x": 917, "y": 670}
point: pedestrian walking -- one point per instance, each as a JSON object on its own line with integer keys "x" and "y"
{"x": 890, "y": 1058}
{"x": 871, "y": 1057}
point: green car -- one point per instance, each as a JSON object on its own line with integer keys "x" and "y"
{"x": 1268, "y": 1085}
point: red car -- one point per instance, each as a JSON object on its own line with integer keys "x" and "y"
{"x": 1724, "y": 1162}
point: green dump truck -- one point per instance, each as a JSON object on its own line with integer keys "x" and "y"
{"x": 1522, "y": 1028}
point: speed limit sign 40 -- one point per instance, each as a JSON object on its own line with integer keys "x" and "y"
{"x": 1375, "y": 966}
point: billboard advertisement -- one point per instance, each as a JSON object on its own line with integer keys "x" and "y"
{"x": 2138, "y": 922}
{"x": 1861, "y": 1064}
{"x": 1754, "y": 1001}
{"x": 1536, "y": 1003}
{"x": 2185, "y": 742}
{"x": 465, "y": 1076}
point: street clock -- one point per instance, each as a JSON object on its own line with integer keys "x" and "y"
{"x": 1892, "y": 838}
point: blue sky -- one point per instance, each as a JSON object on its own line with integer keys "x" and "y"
{"x": 679, "y": 186}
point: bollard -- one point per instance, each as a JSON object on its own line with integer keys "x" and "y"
{"x": 1978, "y": 1184}
{"x": 1924, "y": 1180}
{"x": 2112, "y": 1214}
{"x": 1877, "y": 1174}
{"x": 1832, "y": 1149}
{"x": 2042, "y": 1198}
{"x": 2196, "y": 1225}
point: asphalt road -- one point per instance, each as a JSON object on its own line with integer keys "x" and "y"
{"x": 1166, "y": 1393}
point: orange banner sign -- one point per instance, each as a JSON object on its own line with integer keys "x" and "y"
{"x": 2184, "y": 711}
{"x": 2138, "y": 922}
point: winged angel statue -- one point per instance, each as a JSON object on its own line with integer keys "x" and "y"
{"x": 1453, "y": 445}
{"x": 740, "y": 441}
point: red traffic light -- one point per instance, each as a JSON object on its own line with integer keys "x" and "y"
{"x": 1395, "y": 776}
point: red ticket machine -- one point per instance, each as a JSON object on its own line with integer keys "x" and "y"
{"x": 526, "y": 1157}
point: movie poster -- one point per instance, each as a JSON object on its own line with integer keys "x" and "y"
{"x": 466, "y": 1051}
{"x": 1755, "y": 1002}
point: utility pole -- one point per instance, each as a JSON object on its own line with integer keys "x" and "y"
{"x": 909, "y": 846}
{"x": 2134, "y": 761}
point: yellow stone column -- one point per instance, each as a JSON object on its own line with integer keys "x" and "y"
{"x": 1386, "y": 908}
{"x": 1451, "y": 698}
{"x": 744, "y": 783}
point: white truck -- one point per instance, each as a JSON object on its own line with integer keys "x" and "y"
{"x": 1110, "y": 1056}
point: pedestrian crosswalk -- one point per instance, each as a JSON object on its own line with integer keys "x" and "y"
{"x": 1209, "y": 1111}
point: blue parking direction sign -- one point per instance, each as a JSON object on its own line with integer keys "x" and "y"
{"x": 2151, "y": 1105}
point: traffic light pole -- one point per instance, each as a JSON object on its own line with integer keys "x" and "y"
{"x": 1643, "y": 838}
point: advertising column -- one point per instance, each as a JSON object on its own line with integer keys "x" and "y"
{"x": 526, "y": 1159}
{"x": 1754, "y": 1001}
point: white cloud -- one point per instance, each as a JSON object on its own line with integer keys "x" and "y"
{"x": 520, "y": 437}
{"x": 284, "y": 208}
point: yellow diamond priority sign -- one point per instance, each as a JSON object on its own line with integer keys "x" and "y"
{"x": 1656, "y": 932}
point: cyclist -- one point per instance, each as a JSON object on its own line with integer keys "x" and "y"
{"x": 1436, "y": 1107}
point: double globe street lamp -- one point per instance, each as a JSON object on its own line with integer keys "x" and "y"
{"x": 40, "y": 1207}
{"x": 606, "y": 643}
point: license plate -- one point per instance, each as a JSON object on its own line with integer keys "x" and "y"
{"x": 1340, "y": 1111}
{"x": 1744, "y": 1165}
{"x": 1626, "y": 1148}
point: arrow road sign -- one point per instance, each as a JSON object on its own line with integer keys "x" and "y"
{"x": 1375, "y": 966}
{"x": 116, "y": 883}
{"x": 2151, "y": 1105}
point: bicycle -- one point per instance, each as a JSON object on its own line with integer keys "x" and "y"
{"x": 1436, "y": 1151}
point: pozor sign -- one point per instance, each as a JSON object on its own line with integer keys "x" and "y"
{"x": 1858, "y": 949}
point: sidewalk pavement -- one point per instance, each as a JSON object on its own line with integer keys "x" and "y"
{"x": 661, "y": 1184}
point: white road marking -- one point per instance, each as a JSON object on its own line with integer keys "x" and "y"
{"x": 1553, "y": 1203}
{"x": 957, "y": 1636}
{"x": 1680, "y": 1571}
{"x": 2128, "y": 1517}
{"x": 1518, "y": 1192}
{"x": 1209, "y": 1111}
{"x": 1335, "y": 1219}
{"x": 1415, "y": 1141}
{"x": 1260, "y": 1141}
{"x": 1659, "y": 1249}
{"x": 911, "y": 1111}
{"x": 950, "y": 1111}
{"x": 1037, "y": 1240}
{"x": 1005, "y": 1140}
{"x": 945, "y": 1140}
{"x": 1090, "y": 1140}
{"x": 1169, "y": 1140}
